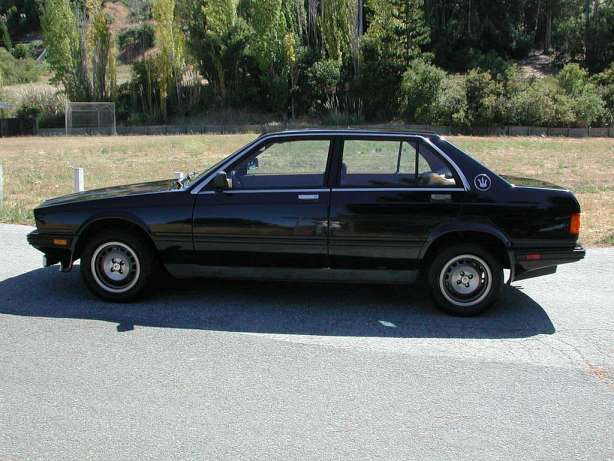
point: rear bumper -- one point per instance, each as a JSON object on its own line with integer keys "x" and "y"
{"x": 535, "y": 262}
{"x": 56, "y": 248}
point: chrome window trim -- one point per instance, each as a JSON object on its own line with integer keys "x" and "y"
{"x": 339, "y": 189}
{"x": 267, "y": 137}
{"x": 265, "y": 191}
{"x": 398, "y": 189}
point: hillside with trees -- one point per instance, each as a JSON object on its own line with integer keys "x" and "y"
{"x": 450, "y": 62}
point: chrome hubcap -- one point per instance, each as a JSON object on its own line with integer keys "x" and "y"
{"x": 465, "y": 280}
{"x": 115, "y": 267}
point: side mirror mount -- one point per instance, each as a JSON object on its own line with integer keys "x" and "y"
{"x": 221, "y": 181}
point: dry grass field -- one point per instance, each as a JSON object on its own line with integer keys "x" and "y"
{"x": 36, "y": 168}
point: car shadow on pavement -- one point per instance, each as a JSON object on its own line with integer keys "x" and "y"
{"x": 274, "y": 307}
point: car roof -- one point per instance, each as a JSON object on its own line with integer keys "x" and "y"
{"x": 350, "y": 131}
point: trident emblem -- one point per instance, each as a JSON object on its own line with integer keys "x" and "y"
{"x": 482, "y": 182}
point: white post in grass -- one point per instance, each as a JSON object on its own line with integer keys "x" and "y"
{"x": 79, "y": 181}
{"x": 1, "y": 186}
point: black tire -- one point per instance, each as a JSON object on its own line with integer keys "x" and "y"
{"x": 481, "y": 285}
{"x": 133, "y": 258}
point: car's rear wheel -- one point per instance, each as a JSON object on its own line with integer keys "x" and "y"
{"x": 117, "y": 266}
{"x": 465, "y": 279}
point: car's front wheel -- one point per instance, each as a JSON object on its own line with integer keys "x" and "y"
{"x": 465, "y": 279}
{"x": 117, "y": 266}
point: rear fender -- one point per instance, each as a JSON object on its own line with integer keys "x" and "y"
{"x": 460, "y": 227}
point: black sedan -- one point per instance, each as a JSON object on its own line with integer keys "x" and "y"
{"x": 332, "y": 204}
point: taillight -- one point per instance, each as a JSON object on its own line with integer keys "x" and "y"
{"x": 574, "y": 224}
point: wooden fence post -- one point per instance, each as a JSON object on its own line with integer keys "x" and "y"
{"x": 78, "y": 180}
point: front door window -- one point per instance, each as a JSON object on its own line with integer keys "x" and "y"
{"x": 283, "y": 165}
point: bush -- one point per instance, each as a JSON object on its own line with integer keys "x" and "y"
{"x": 18, "y": 70}
{"x": 47, "y": 106}
{"x": 451, "y": 104}
{"x": 323, "y": 78}
{"x": 589, "y": 107}
{"x": 134, "y": 41}
{"x": 419, "y": 89}
{"x": 483, "y": 98}
{"x": 28, "y": 50}
{"x": 540, "y": 102}
{"x": 488, "y": 62}
{"x": 605, "y": 85}
{"x": 573, "y": 79}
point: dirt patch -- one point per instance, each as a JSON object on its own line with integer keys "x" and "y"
{"x": 537, "y": 65}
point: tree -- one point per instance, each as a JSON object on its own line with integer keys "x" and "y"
{"x": 395, "y": 37}
{"x": 170, "y": 57}
{"x": 400, "y": 30}
{"x": 62, "y": 38}
{"x": 5, "y": 35}
{"x": 267, "y": 48}
{"x": 101, "y": 43}
{"x": 337, "y": 23}
{"x": 217, "y": 40}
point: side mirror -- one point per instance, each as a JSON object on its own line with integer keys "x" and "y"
{"x": 221, "y": 181}
{"x": 252, "y": 164}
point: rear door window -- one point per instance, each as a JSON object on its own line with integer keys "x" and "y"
{"x": 393, "y": 164}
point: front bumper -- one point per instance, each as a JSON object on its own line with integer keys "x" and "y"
{"x": 55, "y": 248}
{"x": 535, "y": 262}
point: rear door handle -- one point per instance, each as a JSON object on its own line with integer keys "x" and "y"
{"x": 308, "y": 196}
{"x": 441, "y": 197}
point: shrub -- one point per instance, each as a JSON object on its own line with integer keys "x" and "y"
{"x": 134, "y": 41}
{"x": 540, "y": 102}
{"x": 419, "y": 89}
{"x": 573, "y": 79}
{"x": 605, "y": 84}
{"x": 28, "y": 50}
{"x": 47, "y": 106}
{"x": 323, "y": 77}
{"x": 18, "y": 70}
{"x": 589, "y": 107}
{"x": 451, "y": 104}
{"x": 483, "y": 97}
{"x": 488, "y": 62}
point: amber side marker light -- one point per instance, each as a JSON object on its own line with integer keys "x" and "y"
{"x": 60, "y": 242}
{"x": 574, "y": 224}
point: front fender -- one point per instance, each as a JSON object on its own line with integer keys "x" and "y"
{"x": 121, "y": 216}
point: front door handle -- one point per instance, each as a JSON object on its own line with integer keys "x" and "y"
{"x": 308, "y": 196}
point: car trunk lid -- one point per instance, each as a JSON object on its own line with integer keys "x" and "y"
{"x": 530, "y": 182}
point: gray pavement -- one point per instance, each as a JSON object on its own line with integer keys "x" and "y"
{"x": 251, "y": 370}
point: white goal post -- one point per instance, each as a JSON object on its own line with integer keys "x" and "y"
{"x": 90, "y": 118}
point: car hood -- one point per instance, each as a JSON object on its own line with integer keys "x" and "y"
{"x": 111, "y": 192}
{"x": 530, "y": 182}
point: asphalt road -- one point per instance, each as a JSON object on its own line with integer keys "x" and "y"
{"x": 247, "y": 370}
